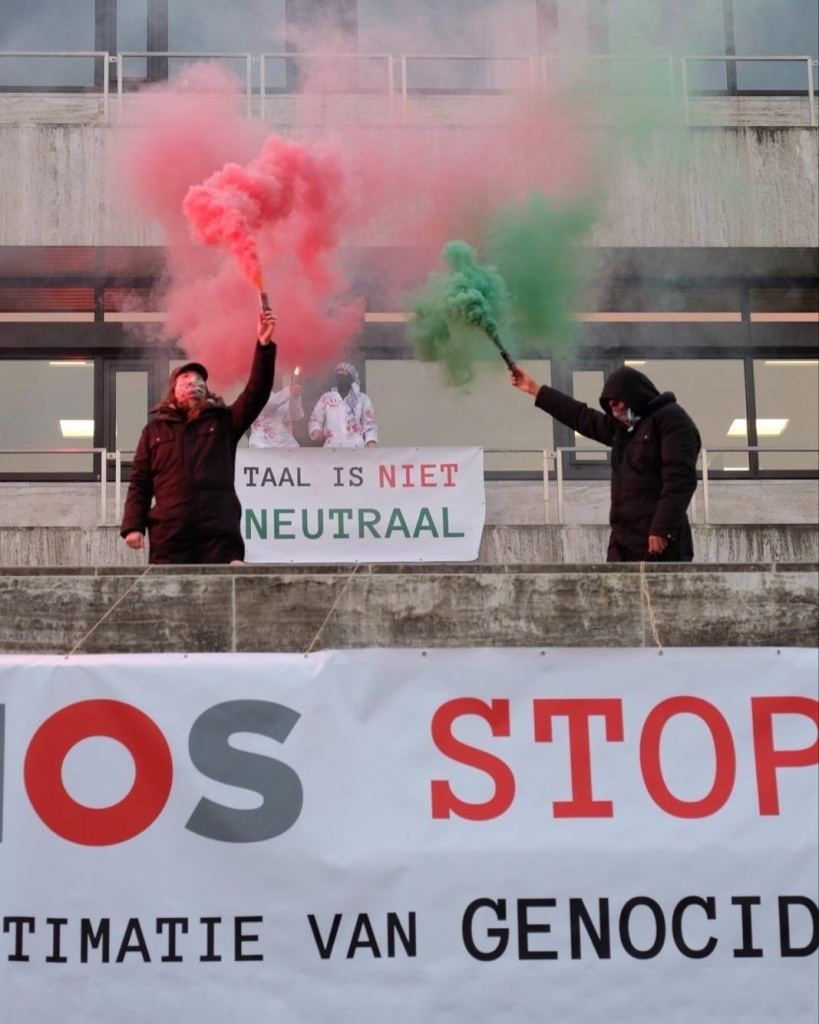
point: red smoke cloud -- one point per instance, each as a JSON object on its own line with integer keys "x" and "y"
{"x": 286, "y": 189}
{"x": 260, "y": 201}
{"x": 282, "y": 210}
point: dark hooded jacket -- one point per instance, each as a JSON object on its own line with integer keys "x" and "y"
{"x": 653, "y": 465}
{"x": 188, "y": 466}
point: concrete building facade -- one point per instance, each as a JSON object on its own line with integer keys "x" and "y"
{"x": 711, "y": 281}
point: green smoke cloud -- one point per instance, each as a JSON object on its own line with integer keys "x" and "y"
{"x": 535, "y": 247}
{"x": 458, "y": 311}
{"x": 523, "y": 288}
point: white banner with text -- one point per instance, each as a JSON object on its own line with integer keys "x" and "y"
{"x": 404, "y": 836}
{"x": 361, "y": 504}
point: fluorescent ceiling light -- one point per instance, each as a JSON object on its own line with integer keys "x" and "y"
{"x": 660, "y": 318}
{"x": 135, "y": 318}
{"x": 46, "y": 318}
{"x": 735, "y": 469}
{"x": 764, "y": 428}
{"x": 387, "y": 318}
{"x": 785, "y": 318}
{"x": 792, "y": 362}
{"x": 68, "y": 362}
{"x": 77, "y": 428}
{"x": 634, "y": 362}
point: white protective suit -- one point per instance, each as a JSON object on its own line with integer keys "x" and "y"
{"x": 274, "y": 426}
{"x": 345, "y": 422}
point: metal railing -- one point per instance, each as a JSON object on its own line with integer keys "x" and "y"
{"x": 665, "y": 59}
{"x": 106, "y": 456}
{"x": 294, "y": 56}
{"x": 706, "y": 452}
{"x": 182, "y": 55}
{"x": 808, "y": 61}
{"x": 704, "y": 456}
{"x": 538, "y": 69}
{"x": 546, "y": 455}
{"x": 104, "y": 55}
{"x": 405, "y": 58}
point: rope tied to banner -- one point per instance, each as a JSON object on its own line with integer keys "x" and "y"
{"x": 332, "y": 609}
{"x": 647, "y": 594}
{"x": 105, "y": 615}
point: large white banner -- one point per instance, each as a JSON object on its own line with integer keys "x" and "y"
{"x": 361, "y": 504}
{"x": 406, "y": 836}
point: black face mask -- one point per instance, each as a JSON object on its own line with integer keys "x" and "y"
{"x": 344, "y": 383}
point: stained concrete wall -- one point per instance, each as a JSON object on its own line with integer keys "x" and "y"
{"x": 259, "y": 609}
{"x": 721, "y": 187}
{"x": 501, "y": 545}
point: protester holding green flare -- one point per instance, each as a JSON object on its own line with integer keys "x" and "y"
{"x": 654, "y": 447}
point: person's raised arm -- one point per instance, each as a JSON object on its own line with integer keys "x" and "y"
{"x": 576, "y": 415}
{"x": 257, "y": 390}
{"x": 277, "y": 399}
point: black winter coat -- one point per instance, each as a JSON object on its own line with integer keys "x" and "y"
{"x": 653, "y": 465}
{"x": 188, "y": 466}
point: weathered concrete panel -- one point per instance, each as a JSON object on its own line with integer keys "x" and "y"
{"x": 500, "y": 545}
{"x": 735, "y": 608}
{"x": 257, "y": 608}
{"x": 702, "y": 187}
{"x": 587, "y": 545}
{"x": 52, "y": 613}
{"x": 443, "y": 609}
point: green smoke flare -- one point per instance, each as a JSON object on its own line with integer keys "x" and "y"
{"x": 456, "y": 313}
{"x": 525, "y": 293}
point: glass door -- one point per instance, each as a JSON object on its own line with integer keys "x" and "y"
{"x": 586, "y": 381}
{"x": 130, "y": 392}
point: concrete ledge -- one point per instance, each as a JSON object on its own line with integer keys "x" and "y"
{"x": 501, "y": 545}
{"x": 259, "y": 608}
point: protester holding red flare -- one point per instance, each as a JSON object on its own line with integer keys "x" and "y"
{"x": 185, "y": 460}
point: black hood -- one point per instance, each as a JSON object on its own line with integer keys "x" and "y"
{"x": 633, "y": 388}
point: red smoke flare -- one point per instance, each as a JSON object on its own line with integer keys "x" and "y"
{"x": 282, "y": 208}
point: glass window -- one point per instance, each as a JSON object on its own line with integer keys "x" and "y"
{"x": 572, "y": 26}
{"x": 670, "y": 27}
{"x": 787, "y": 409}
{"x": 46, "y": 404}
{"x": 785, "y": 28}
{"x": 233, "y": 26}
{"x": 67, "y": 25}
{"x": 467, "y": 27}
{"x": 414, "y": 407}
{"x": 712, "y": 392}
{"x": 131, "y": 404}
{"x": 132, "y": 34}
{"x": 587, "y": 386}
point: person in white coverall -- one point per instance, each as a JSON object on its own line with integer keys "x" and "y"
{"x": 273, "y": 428}
{"x": 344, "y": 416}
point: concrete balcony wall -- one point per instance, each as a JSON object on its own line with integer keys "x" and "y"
{"x": 257, "y": 608}
{"x": 49, "y": 546}
{"x": 722, "y": 187}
